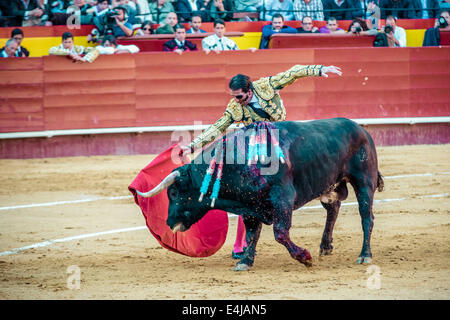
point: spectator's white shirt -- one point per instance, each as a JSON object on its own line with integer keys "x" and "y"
{"x": 110, "y": 50}
{"x": 400, "y": 35}
{"x": 213, "y": 42}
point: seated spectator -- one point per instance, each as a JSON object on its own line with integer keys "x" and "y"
{"x": 169, "y": 24}
{"x": 196, "y": 24}
{"x": 396, "y": 36}
{"x": 130, "y": 6}
{"x": 396, "y": 8}
{"x": 179, "y": 44}
{"x": 432, "y": 35}
{"x": 17, "y": 35}
{"x": 159, "y": 10}
{"x": 109, "y": 46}
{"x": 9, "y": 50}
{"x": 308, "y": 8}
{"x": 277, "y": 26}
{"x": 331, "y": 27}
{"x": 284, "y": 7}
{"x": 146, "y": 29}
{"x": 142, "y": 11}
{"x": 218, "y": 42}
{"x": 100, "y": 8}
{"x": 25, "y": 13}
{"x": 444, "y": 5}
{"x": 423, "y": 9}
{"x": 248, "y": 5}
{"x": 216, "y": 9}
{"x": 338, "y": 9}
{"x": 67, "y": 48}
{"x": 186, "y": 8}
{"x": 307, "y": 26}
{"x": 359, "y": 27}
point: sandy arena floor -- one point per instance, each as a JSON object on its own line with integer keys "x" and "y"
{"x": 410, "y": 241}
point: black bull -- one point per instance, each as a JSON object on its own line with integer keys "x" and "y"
{"x": 321, "y": 157}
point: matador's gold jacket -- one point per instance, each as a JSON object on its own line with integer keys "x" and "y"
{"x": 90, "y": 52}
{"x": 266, "y": 91}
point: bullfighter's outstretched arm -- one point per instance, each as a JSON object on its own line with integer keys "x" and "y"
{"x": 288, "y": 77}
{"x": 212, "y": 132}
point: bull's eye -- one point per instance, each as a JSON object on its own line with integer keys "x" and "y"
{"x": 173, "y": 193}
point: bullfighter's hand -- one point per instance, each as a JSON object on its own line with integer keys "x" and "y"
{"x": 331, "y": 69}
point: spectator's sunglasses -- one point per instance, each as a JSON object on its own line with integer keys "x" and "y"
{"x": 146, "y": 29}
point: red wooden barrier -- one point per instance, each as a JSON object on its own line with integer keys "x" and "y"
{"x": 154, "y": 89}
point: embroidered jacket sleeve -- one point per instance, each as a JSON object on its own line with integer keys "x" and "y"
{"x": 288, "y": 77}
{"x": 215, "y": 130}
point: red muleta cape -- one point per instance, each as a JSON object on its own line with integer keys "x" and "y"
{"x": 203, "y": 239}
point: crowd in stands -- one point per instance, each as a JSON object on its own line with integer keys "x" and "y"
{"x": 126, "y": 18}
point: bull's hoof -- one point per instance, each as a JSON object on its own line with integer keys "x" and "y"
{"x": 325, "y": 252}
{"x": 307, "y": 263}
{"x": 364, "y": 260}
{"x": 241, "y": 267}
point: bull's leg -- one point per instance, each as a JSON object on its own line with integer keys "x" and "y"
{"x": 282, "y": 221}
{"x": 365, "y": 200}
{"x": 327, "y": 238}
{"x": 253, "y": 230}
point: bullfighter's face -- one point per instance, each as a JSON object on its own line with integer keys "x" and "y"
{"x": 242, "y": 97}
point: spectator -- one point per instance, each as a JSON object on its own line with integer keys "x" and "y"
{"x": 284, "y": 7}
{"x": 146, "y": 29}
{"x": 308, "y": 8}
{"x": 307, "y": 26}
{"x": 186, "y": 8}
{"x": 365, "y": 8}
{"x": 25, "y": 13}
{"x": 67, "y": 48}
{"x": 55, "y": 12}
{"x": 277, "y": 26}
{"x": 179, "y": 44}
{"x": 423, "y": 9}
{"x": 9, "y": 50}
{"x": 109, "y": 46}
{"x": 444, "y": 4}
{"x": 131, "y": 8}
{"x": 359, "y": 27}
{"x": 248, "y": 5}
{"x": 169, "y": 24}
{"x": 331, "y": 27}
{"x": 120, "y": 27}
{"x": 196, "y": 24}
{"x": 218, "y": 42}
{"x": 217, "y": 9}
{"x": 397, "y": 35}
{"x": 142, "y": 11}
{"x": 338, "y": 9}
{"x": 17, "y": 35}
{"x": 432, "y": 35}
{"x": 160, "y": 9}
{"x": 396, "y": 8}
{"x": 101, "y": 7}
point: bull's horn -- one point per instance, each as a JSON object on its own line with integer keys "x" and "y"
{"x": 177, "y": 227}
{"x": 160, "y": 187}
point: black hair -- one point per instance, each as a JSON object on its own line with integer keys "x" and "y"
{"x": 278, "y": 15}
{"x": 219, "y": 21}
{"x": 67, "y": 35}
{"x": 15, "y": 32}
{"x": 179, "y": 26}
{"x": 240, "y": 81}
{"x": 109, "y": 38}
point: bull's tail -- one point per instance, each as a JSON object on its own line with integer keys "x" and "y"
{"x": 380, "y": 182}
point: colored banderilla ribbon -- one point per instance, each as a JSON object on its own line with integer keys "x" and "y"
{"x": 257, "y": 149}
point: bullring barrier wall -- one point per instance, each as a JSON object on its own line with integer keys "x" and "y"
{"x": 151, "y": 90}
